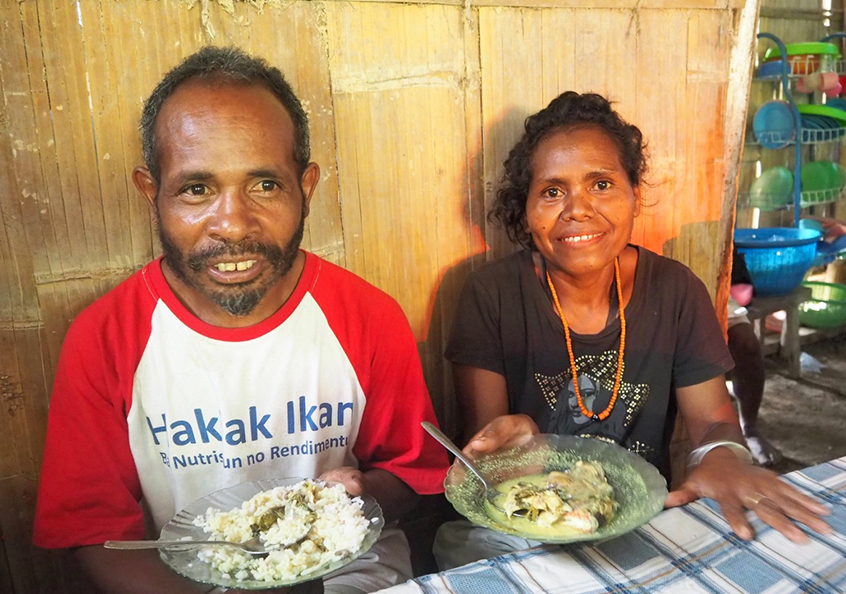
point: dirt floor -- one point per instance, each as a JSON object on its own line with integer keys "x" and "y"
{"x": 806, "y": 418}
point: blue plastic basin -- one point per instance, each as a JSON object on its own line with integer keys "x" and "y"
{"x": 777, "y": 257}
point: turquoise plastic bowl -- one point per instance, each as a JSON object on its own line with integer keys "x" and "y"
{"x": 777, "y": 257}
{"x": 773, "y": 125}
{"x": 811, "y": 224}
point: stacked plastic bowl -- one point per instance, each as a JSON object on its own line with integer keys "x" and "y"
{"x": 806, "y": 57}
{"x": 822, "y": 181}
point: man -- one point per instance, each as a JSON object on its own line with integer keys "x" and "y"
{"x": 749, "y": 373}
{"x": 235, "y": 356}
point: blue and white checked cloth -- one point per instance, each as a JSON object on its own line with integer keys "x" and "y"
{"x": 687, "y": 549}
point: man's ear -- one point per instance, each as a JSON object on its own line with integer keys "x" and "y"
{"x": 308, "y": 182}
{"x": 145, "y": 183}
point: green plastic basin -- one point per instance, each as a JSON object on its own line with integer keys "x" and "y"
{"x": 827, "y": 306}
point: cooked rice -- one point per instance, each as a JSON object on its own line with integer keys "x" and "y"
{"x": 304, "y": 526}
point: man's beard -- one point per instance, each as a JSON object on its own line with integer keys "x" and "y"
{"x": 239, "y": 299}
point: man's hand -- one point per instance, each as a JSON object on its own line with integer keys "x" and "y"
{"x": 352, "y": 479}
{"x": 132, "y": 572}
{"x": 505, "y": 431}
{"x": 737, "y": 487}
{"x": 393, "y": 495}
{"x": 831, "y": 228}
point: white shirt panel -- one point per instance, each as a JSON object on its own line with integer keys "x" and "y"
{"x": 208, "y": 414}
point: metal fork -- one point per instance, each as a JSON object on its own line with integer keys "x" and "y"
{"x": 489, "y": 489}
{"x": 253, "y": 546}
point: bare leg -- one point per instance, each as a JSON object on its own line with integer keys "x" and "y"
{"x": 748, "y": 380}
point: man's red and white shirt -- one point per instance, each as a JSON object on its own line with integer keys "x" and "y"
{"x": 152, "y": 408}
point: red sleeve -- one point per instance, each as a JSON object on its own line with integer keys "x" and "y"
{"x": 89, "y": 490}
{"x": 391, "y": 436}
{"x": 378, "y": 340}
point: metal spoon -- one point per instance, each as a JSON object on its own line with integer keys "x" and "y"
{"x": 491, "y": 493}
{"x": 253, "y": 546}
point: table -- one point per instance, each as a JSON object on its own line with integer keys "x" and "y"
{"x": 789, "y": 347}
{"x": 686, "y": 549}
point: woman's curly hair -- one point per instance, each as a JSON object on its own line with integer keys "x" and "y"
{"x": 568, "y": 110}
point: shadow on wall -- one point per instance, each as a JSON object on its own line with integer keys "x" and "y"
{"x": 421, "y": 524}
{"x": 703, "y": 247}
{"x": 486, "y": 242}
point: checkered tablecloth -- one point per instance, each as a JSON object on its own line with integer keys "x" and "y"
{"x": 686, "y": 549}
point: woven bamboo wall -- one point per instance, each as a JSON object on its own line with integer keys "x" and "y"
{"x": 413, "y": 107}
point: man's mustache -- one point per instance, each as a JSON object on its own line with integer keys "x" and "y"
{"x": 273, "y": 253}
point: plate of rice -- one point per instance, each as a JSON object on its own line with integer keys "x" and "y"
{"x": 310, "y": 528}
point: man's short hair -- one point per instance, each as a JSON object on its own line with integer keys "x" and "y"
{"x": 227, "y": 65}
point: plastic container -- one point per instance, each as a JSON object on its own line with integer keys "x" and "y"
{"x": 822, "y": 182}
{"x": 829, "y": 111}
{"x": 773, "y": 190}
{"x": 805, "y": 58}
{"x": 773, "y": 124}
{"x": 826, "y": 308}
{"x": 772, "y": 69}
{"x": 811, "y": 224}
{"x": 777, "y": 257}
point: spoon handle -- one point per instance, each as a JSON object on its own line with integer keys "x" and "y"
{"x": 448, "y": 444}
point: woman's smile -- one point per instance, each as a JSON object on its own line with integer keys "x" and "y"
{"x": 578, "y": 240}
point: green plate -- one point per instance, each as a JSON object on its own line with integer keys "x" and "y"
{"x": 801, "y": 49}
{"x": 639, "y": 488}
{"x": 819, "y": 175}
{"x": 822, "y": 110}
{"x": 773, "y": 189}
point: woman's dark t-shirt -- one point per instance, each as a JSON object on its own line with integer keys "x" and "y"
{"x": 505, "y": 323}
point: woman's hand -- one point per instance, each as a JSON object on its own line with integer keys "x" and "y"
{"x": 503, "y": 432}
{"x": 737, "y": 487}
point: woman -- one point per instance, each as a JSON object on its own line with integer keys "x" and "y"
{"x": 583, "y": 333}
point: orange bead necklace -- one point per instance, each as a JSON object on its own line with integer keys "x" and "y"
{"x": 619, "y": 378}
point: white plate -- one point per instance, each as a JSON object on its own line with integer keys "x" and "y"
{"x": 187, "y": 563}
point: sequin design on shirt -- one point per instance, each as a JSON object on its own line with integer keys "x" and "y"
{"x": 596, "y": 382}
